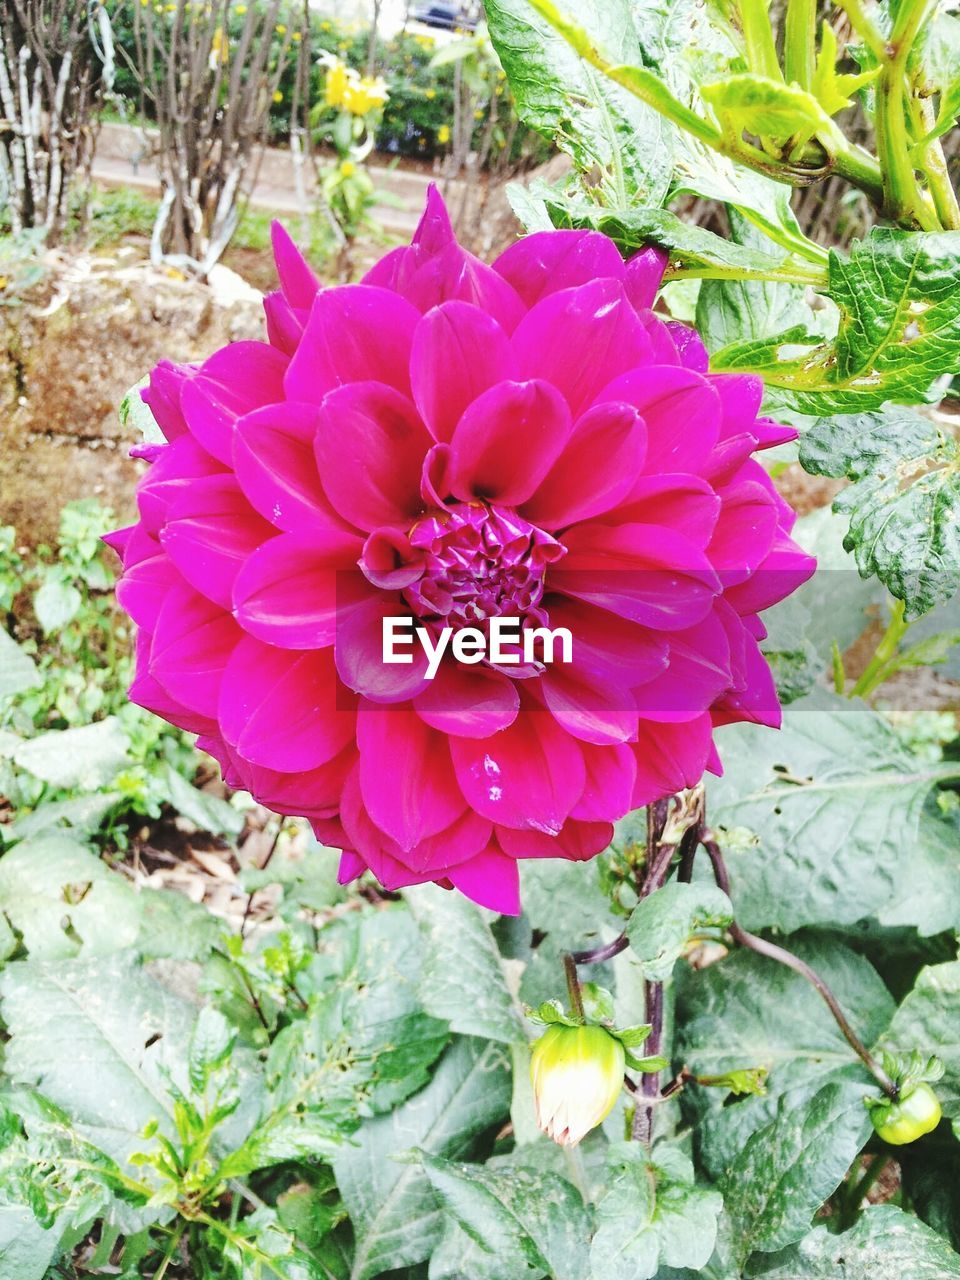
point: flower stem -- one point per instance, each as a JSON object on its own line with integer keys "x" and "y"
{"x": 573, "y": 987}
{"x": 758, "y": 38}
{"x": 800, "y": 43}
{"x": 773, "y": 952}
{"x": 876, "y": 669}
{"x": 864, "y": 27}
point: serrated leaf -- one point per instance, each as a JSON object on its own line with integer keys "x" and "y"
{"x": 899, "y": 328}
{"x": 393, "y": 1209}
{"x": 652, "y": 1215}
{"x": 904, "y": 500}
{"x": 97, "y": 1037}
{"x": 60, "y": 897}
{"x": 462, "y": 980}
{"x": 885, "y": 1244}
{"x": 748, "y": 1011}
{"x": 17, "y": 669}
{"x": 791, "y": 1166}
{"x": 833, "y": 800}
{"x": 88, "y": 757}
{"x": 663, "y": 923}
{"x": 531, "y": 1223}
{"x": 600, "y": 124}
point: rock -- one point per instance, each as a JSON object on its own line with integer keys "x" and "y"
{"x": 70, "y": 352}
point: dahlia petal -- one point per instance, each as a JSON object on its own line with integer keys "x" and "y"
{"x": 577, "y": 842}
{"x": 663, "y": 348}
{"x": 297, "y": 280}
{"x": 309, "y": 793}
{"x": 547, "y": 261}
{"x": 740, "y": 395}
{"x": 233, "y": 381}
{"x": 491, "y": 879}
{"x": 528, "y": 775}
{"x": 144, "y": 586}
{"x": 682, "y": 502}
{"x": 758, "y": 701}
{"x": 285, "y": 326}
{"x": 389, "y": 561}
{"x": 608, "y": 790}
{"x": 670, "y": 757}
{"x": 434, "y": 230}
{"x": 454, "y": 274}
{"x": 580, "y": 340}
{"x": 785, "y": 568}
{"x": 359, "y": 653}
{"x": 507, "y": 441}
{"x": 406, "y": 776}
{"x": 699, "y": 672}
{"x": 770, "y": 434}
{"x": 191, "y": 646}
{"x": 681, "y": 409}
{"x": 351, "y": 867}
{"x": 356, "y": 333}
{"x": 282, "y": 709}
{"x": 175, "y": 470}
{"x": 595, "y": 471}
{"x": 591, "y": 708}
{"x": 370, "y": 446}
{"x": 162, "y": 397}
{"x": 644, "y": 275}
{"x": 646, "y": 573}
{"x": 745, "y": 531}
{"x": 293, "y": 591}
{"x": 689, "y": 346}
{"x": 458, "y": 353}
{"x": 210, "y": 531}
{"x": 146, "y": 692}
{"x": 468, "y": 702}
{"x": 274, "y": 461}
{"x": 607, "y": 644}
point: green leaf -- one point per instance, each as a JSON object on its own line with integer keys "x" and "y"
{"x": 885, "y": 1244}
{"x": 26, "y": 1248}
{"x": 929, "y": 897}
{"x": 56, "y": 604}
{"x": 598, "y": 123}
{"x": 462, "y": 980}
{"x": 791, "y": 1166}
{"x": 748, "y": 103}
{"x": 395, "y": 1215}
{"x": 735, "y": 310}
{"x": 834, "y": 91}
{"x": 899, "y": 328}
{"x": 208, "y": 812}
{"x": 833, "y": 800}
{"x": 652, "y": 1215}
{"x": 663, "y": 923}
{"x": 60, "y": 897}
{"x": 903, "y": 502}
{"x": 749, "y": 1011}
{"x": 98, "y": 1037}
{"x": 690, "y": 246}
{"x": 530, "y": 1223}
{"x": 928, "y": 1020}
{"x": 136, "y": 416}
{"x": 17, "y": 670}
{"x": 88, "y": 757}
{"x": 81, "y": 816}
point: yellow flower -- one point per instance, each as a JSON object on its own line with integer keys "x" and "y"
{"x": 280, "y": 29}
{"x": 443, "y": 135}
{"x": 296, "y": 37}
{"x": 240, "y": 10}
{"x": 219, "y": 49}
{"x": 277, "y": 95}
{"x": 363, "y": 96}
{"x": 577, "y": 1076}
{"x": 326, "y": 26}
{"x": 431, "y": 94}
{"x": 478, "y": 114}
{"x": 347, "y": 169}
{"x": 3, "y": 282}
{"x": 335, "y": 90}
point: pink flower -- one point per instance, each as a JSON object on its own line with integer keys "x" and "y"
{"x": 451, "y": 441}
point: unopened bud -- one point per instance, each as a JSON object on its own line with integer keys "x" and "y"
{"x": 577, "y": 1075}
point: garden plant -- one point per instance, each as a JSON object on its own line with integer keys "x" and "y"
{"x": 635, "y": 960}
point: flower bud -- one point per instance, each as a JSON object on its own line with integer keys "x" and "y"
{"x": 577, "y": 1075}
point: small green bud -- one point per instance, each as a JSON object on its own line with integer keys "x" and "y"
{"x": 577, "y": 1075}
{"x": 916, "y": 1112}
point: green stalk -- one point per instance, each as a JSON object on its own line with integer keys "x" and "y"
{"x": 758, "y": 37}
{"x": 865, "y": 28}
{"x": 902, "y": 197}
{"x": 800, "y": 43}
{"x": 875, "y": 671}
{"x": 934, "y": 165}
{"x": 789, "y": 273}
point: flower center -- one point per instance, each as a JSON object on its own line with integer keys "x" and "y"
{"x": 480, "y": 562}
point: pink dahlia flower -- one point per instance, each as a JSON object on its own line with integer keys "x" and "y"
{"x": 450, "y": 441}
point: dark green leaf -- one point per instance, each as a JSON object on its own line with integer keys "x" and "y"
{"x": 928, "y": 1021}
{"x": 663, "y": 923}
{"x": 904, "y": 500}
{"x": 26, "y": 1249}
{"x": 392, "y": 1206}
